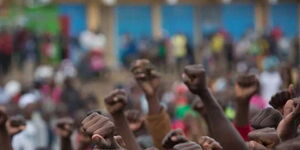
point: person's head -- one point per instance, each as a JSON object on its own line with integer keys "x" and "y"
{"x": 27, "y": 105}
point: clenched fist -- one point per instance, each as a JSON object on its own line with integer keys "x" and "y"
{"x": 116, "y": 101}
{"x": 146, "y": 76}
{"x": 195, "y": 79}
{"x": 101, "y": 130}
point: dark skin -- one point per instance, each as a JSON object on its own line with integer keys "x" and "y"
{"x": 267, "y": 137}
{"x": 9, "y": 126}
{"x": 208, "y": 143}
{"x": 287, "y": 128}
{"x": 64, "y": 128}
{"x": 115, "y": 104}
{"x": 101, "y": 130}
{"x": 173, "y": 138}
{"x": 245, "y": 88}
{"x": 267, "y": 117}
{"x": 148, "y": 80}
{"x": 187, "y": 146}
{"x": 253, "y": 145}
{"x": 195, "y": 79}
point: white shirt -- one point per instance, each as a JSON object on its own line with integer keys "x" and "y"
{"x": 270, "y": 84}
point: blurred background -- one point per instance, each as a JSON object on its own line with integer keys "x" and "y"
{"x": 66, "y": 55}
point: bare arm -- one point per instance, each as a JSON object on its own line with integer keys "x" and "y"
{"x": 221, "y": 128}
{"x": 115, "y": 104}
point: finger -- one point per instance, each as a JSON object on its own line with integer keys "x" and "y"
{"x": 89, "y": 117}
{"x": 119, "y": 140}
{"x": 106, "y": 130}
{"x": 100, "y": 141}
{"x": 194, "y": 70}
{"x": 92, "y": 126}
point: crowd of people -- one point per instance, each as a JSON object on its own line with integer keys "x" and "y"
{"x": 199, "y": 112}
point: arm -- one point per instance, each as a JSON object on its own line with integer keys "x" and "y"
{"x": 287, "y": 128}
{"x": 245, "y": 88}
{"x": 64, "y": 128}
{"x": 194, "y": 78}
{"x": 158, "y": 121}
{"x": 115, "y": 104}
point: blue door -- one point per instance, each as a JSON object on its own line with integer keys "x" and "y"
{"x": 178, "y": 19}
{"x": 210, "y": 19}
{"x": 77, "y": 15}
{"x": 237, "y": 19}
{"x": 285, "y": 16}
{"x": 133, "y": 20}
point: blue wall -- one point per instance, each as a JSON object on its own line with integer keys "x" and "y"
{"x": 238, "y": 18}
{"x": 77, "y": 16}
{"x": 178, "y": 18}
{"x": 286, "y": 17}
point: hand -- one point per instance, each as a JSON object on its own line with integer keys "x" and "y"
{"x": 13, "y": 125}
{"x": 208, "y": 143}
{"x": 252, "y": 145}
{"x": 267, "y": 117}
{"x": 268, "y": 137}
{"x": 245, "y": 87}
{"x": 146, "y": 76}
{"x": 195, "y": 79}
{"x": 279, "y": 99}
{"x": 287, "y": 128}
{"x": 100, "y": 129}
{"x": 116, "y": 101}
{"x": 187, "y": 146}
{"x": 64, "y": 127}
{"x": 292, "y": 144}
{"x": 173, "y": 138}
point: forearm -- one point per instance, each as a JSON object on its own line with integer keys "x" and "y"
{"x": 154, "y": 105}
{"x": 123, "y": 129}
{"x": 220, "y": 126}
{"x": 66, "y": 143}
{"x": 5, "y": 140}
{"x": 242, "y": 113}
{"x": 287, "y": 129}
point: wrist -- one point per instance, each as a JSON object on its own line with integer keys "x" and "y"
{"x": 203, "y": 92}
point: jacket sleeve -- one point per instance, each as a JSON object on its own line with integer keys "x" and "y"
{"x": 158, "y": 126}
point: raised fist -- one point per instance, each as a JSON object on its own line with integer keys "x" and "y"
{"x": 173, "y": 138}
{"x": 116, "y": 101}
{"x": 246, "y": 86}
{"x": 195, "y": 79}
{"x": 268, "y": 137}
{"x": 146, "y": 76}
{"x": 267, "y": 117}
{"x": 100, "y": 129}
{"x": 208, "y": 143}
{"x": 64, "y": 127}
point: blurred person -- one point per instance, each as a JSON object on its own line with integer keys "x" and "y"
{"x": 35, "y": 134}
{"x": 295, "y": 53}
{"x": 48, "y": 49}
{"x": 179, "y": 48}
{"x": 71, "y": 96}
{"x": 128, "y": 50}
{"x": 270, "y": 78}
{"x": 6, "y": 50}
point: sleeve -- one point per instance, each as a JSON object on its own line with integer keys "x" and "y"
{"x": 244, "y": 130}
{"x": 158, "y": 126}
